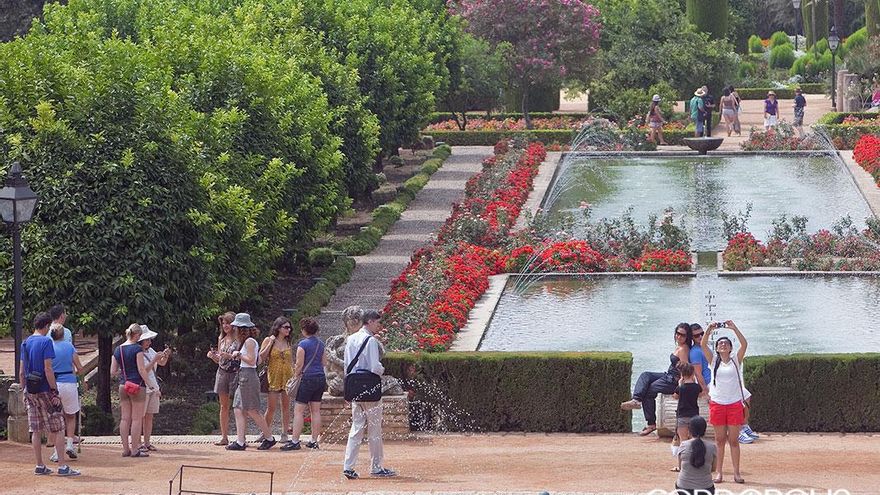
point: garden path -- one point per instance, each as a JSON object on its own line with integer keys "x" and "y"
{"x": 468, "y": 464}
{"x": 371, "y": 280}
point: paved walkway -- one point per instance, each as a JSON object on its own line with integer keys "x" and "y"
{"x": 473, "y": 463}
{"x": 371, "y": 281}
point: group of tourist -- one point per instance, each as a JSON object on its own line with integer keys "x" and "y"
{"x": 702, "y": 104}
{"x": 696, "y": 371}
{"x": 296, "y": 372}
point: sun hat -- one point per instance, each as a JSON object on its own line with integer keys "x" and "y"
{"x": 655, "y": 98}
{"x": 146, "y": 333}
{"x": 700, "y": 92}
{"x": 243, "y": 320}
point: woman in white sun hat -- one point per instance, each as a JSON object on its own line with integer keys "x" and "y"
{"x": 152, "y": 359}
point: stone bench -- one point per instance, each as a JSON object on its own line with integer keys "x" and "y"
{"x": 336, "y": 418}
{"x": 666, "y": 406}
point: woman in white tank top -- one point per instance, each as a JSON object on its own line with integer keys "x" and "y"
{"x": 726, "y": 394}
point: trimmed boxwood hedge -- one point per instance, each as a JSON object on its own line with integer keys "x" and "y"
{"x": 523, "y": 391}
{"x": 781, "y": 93}
{"x": 814, "y": 392}
{"x": 437, "y": 117}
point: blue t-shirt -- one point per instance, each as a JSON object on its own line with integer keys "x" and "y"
{"x": 128, "y": 354}
{"x": 35, "y": 350}
{"x": 311, "y": 346}
{"x": 696, "y": 356}
{"x": 62, "y": 363}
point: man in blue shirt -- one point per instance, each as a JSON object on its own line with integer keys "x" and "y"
{"x": 365, "y": 415}
{"x": 41, "y": 395}
{"x": 698, "y": 359}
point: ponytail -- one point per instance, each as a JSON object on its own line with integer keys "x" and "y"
{"x": 697, "y": 428}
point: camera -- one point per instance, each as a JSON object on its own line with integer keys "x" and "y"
{"x": 720, "y": 324}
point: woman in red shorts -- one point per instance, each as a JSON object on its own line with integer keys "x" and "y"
{"x": 726, "y": 394}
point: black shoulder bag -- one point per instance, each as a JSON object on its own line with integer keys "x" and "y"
{"x": 362, "y": 387}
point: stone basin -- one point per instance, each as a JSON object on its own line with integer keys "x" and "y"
{"x": 703, "y": 144}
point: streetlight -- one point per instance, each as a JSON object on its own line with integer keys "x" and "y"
{"x": 797, "y": 21}
{"x": 17, "y": 205}
{"x": 833, "y": 43}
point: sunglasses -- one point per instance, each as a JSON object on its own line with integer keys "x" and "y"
{"x": 681, "y": 334}
{"x": 697, "y": 334}
{"x": 286, "y": 326}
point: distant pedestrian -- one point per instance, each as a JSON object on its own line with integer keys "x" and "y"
{"x": 771, "y": 111}
{"x": 66, "y": 365}
{"x": 129, "y": 359}
{"x": 59, "y": 316}
{"x": 310, "y": 362}
{"x": 709, "y": 107}
{"x": 655, "y": 121}
{"x": 226, "y": 379}
{"x": 737, "y": 127}
{"x": 152, "y": 359}
{"x": 247, "y": 394}
{"x": 728, "y": 110}
{"x": 362, "y": 356}
{"x": 44, "y": 406}
{"x": 800, "y": 104}
{"x": 697, "y": 108}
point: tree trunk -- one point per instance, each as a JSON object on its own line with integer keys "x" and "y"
{"x": 872, "y": 17}
{"x": 839, "y": 19}
{"x": 105, "y": 353}
{"x": 525, "y": 105}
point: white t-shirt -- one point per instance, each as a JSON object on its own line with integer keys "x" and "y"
{"x": 725, "y": 387}
{"x": 151, "y": 382}
{"x": 249, "y": 349}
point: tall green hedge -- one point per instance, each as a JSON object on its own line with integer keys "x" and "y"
{"x": 710, "y": 16}
{"x": 523, "y": 391}
{"x": 815, "y": 392}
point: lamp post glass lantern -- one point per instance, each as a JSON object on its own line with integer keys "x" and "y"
{"x": 17, "y": 205}
{"x": 833, "y": 44}
{"x": 797, "y": 21}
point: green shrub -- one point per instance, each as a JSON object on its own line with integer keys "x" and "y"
{"x": 821, "y": 46}
{"x": 782, "y": 57}
{"x": 321, "y": 256}
{"x": 206, "y": 419}
{"x": 755, "y": 45}
{"x": 856, "y": 40}
{"x": 747, "y": 69}
{"x": 779, "y": 38}
{"x": 761, "y": 93}
{"x": 96, "y": 422}
{"x": 523, "y": 391}
{"x": 814, "y": 392}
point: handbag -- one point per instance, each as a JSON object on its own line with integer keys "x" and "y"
{"x": 361, "y": 387}
{"x": 294, "y": 382}
{"x": 130, "y": 388}
{"x": 264, "y": 371}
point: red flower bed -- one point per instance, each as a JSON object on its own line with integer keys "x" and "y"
{"x": 867, "y": 155}
{"x": 573, "y": 256}
{"x": 663, "y": 260}
{"x": 744, "y": 252}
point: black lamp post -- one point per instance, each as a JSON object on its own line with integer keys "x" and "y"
{"x": 17, "y": 205}
{"x": 797, "y": 21}
{"x": 833, "y": 43}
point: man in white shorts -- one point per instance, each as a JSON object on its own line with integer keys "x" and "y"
{"x": 66, "y": 365}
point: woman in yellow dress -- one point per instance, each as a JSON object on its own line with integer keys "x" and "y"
{"x": 277, "y": 351}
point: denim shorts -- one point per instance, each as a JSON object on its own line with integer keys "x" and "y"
{"x": 311, "y": 389}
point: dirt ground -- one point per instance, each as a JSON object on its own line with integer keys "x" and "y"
{"x": 457, "y": 463}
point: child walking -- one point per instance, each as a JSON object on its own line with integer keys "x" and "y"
{"x": 687, "y": 392}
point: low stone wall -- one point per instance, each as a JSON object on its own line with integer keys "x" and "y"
{"x": 336, "y": 417}
{"x": 666, "y": 406}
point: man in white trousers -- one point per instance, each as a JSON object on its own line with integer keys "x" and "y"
{"x": 365, "y": 415}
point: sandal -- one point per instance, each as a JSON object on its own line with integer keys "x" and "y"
{"x": 140, "y": 453}
{"x": 648, "y": 430}
{"x": 126, "y": 454}
{"x": 718, "y": 479}
{"x": 150, "y": 447}
{"x": 738, "y": 479}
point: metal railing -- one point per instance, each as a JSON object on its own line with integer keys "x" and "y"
{"x": 181, "y": 490}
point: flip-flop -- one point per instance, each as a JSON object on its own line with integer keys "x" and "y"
{"x": 647, "y": 430}
{"x": 126, "y": 454}
{"x": 222, "y": 443}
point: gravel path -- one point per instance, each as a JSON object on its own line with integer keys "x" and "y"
{"x": 371, "y": 279}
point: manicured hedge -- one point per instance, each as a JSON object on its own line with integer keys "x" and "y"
{"x": 814, "y": 392}
{"x": 489, "y": 138}
{"x": 386, "y": 215}
{"x": 437, "y": 117}
{"x": 781, "y": 93}
{"x": 523, "y": 391}
{"x": 846, "y": 136}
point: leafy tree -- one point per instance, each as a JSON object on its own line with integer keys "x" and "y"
{"x": 108, "y": 146}
{"x": 550, "y": 40}
{"x": 669, "y": 50}
{"x": 479, "y": 80}
{"x": 709, "y": 16}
